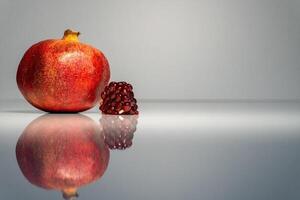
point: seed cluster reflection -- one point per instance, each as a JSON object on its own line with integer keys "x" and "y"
{"x": 66, "y": 151}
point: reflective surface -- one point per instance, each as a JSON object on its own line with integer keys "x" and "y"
{"x": 182, "y": 150}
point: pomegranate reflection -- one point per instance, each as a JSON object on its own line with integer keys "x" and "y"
{"x": 118, "y": 130}
{"x": 62, "y": 152}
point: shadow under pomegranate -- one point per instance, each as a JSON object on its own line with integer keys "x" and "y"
{"x": 62, "y": 152}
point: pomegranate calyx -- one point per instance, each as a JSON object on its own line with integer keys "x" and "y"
{"x": 70, "y": 193}
{"x": 71, "y": 35}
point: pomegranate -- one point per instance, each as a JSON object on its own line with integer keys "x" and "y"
{"x": 63, "y": 75}
{"x": 118, "y": 99}
{"x": 62, "y": 152}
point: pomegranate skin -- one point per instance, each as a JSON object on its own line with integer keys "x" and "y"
{"x": 62, "y": 152}
{"x": 63, "y": 75}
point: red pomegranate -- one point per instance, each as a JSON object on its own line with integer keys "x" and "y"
{"x": 63, "y": 75}
{"x": 62, "y": 152}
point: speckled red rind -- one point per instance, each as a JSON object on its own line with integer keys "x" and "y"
{"x": 61, "y": 151}
{"x": 62, "y": 76}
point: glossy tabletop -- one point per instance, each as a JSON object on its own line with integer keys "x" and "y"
{"x": 229, "y": 150}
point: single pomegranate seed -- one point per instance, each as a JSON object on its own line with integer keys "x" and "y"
{"x": 118, "y": 99}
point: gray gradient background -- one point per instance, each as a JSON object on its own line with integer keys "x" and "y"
{"x": 169, "y": 49}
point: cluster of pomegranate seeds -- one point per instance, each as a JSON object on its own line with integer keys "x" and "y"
{"x": 118, "y": 130}
{"x": 118, "y": 99}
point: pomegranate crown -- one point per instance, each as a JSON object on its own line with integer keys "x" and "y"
{"x": 71, "y": 35}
